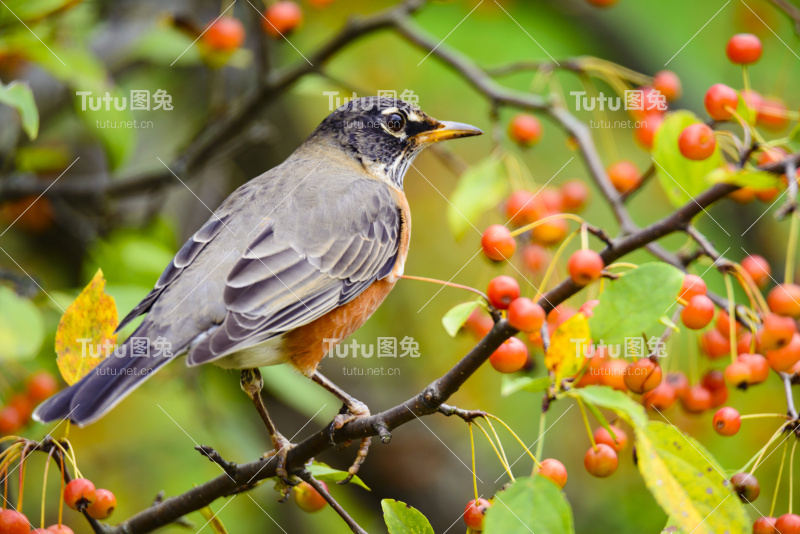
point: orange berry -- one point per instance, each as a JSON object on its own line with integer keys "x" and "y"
{"x": 502, "y": 291}
{"x": 698, "y": 313}
{"x": 668, "y": 84}
{"x": 601, "y": 435}
{"x": 41, "y": 385}
{"x": 574, "y": 194}
{"x": 784, "y": 299}
{"x": 103, "y": 506}
{"x": 692, "y": 285}
{"x": 555, "y": 471}
{"x": 525, "y": 129}
{"x": 79, "y": 494}
{"x": 281, "y": 18}
{"x": 475, "y": 512}
{"x": 509, "y": 357}
{"x": 497, "y": 243}
{"x": 661, "y": 398}
{"x": 697, "y": 399}
{"x": 550, "y": 233}
{"x": 643, "y": 375}
{"x": 225, "y": 33}
{"x": 784, "y": 358}
{"x": 308, "y": 499}
{"x": 612, "y": 373}
{"x": 526, "y": 315}
{"x": 624, "y": 176}
{"x": 601, "y": 462}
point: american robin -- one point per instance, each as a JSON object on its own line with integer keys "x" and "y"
{"x": 294, "y": 258}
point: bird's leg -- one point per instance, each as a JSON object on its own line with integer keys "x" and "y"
{"x": 353, "y": 409}
{"x": 252, "y": 383}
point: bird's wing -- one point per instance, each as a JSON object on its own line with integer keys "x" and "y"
{"x": 305, "y": 263}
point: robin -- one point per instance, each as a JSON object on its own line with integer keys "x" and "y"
{"x": 295, "y": 258}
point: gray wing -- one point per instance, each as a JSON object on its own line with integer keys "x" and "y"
{"x": 305, "y": 263}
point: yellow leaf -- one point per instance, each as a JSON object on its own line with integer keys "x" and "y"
{"x": 85, "y": 334}
{"x": 566, "y": 354}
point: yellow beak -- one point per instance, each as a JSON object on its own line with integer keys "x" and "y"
{"x": 447, "y": 130}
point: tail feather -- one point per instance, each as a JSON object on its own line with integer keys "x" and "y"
{"x": 99, "y": 391}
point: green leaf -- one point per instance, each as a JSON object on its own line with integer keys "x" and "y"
{"x": 745, "y": 177}
{"x": 482, "y": 187}
{"x": 687, "y": 482}
{"x": 529, "y": 505}
{"x": 403, "y": 519}
{"x": 635, "y": 303}
{"x": 621, "y": 404}
{"x": 455, "y": 318}
{"x": 512, "y": 384}
{"x": 681, "y": 178}
{"x": 20, "y": 97}
{"x": 21, "y": 326}
{"x": 326, "y": 473}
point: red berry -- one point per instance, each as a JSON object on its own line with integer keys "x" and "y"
{"x": 773, "y": 114}
{"x": 765, "y": 525}
{"x": 746, "y": 486}
{"x": 103, "y": 506}
{"x": 601, "y": 435}
{"x": 777, "y": 331}
{"x": 643, "y": 375}
{"x": 526, "y": 315}
{"x": 661, "y": 398}
{"x": 612, "y": 374}
{"x": 714, "y": 344}
{"x": 555, "y": 471}
{"x": 679, "y": 382}
{"x": 758, "y": 268}
{"x": 585, "y": 266}
{"x": 743, "y": 49}
{"x": 645, "y": 131}
{"x": 758, "y": 365}
{"x": 727, "y": 421}
{"x": 550, "y": 232}
{"x": 226, "y": 33}
{"x": 624, "y": 176}
{"x": 497, "y": 243}
{"x": 692, "y": 285}
{"x": 668, "y": 84}
{"x": 10, "y": 421}
{"x": 601, "y": 462}
{"x": 474, "y": 513}
{"x": 713, "y": 380}
{"x": 521, "y": 208}
{"x": 479, "y": 323}
{"x": 41, "y": 386}
{"x": 784, "y": 358}
{"x": 788, "y": 524}
{"x": 698, "y": 313}
{"x": 525, "y": 129}
{"x": 753, "y": 99}
{"x": 738, "y": 374}
{"x": 281, "y": 18}
{"x": 60, "y": 529}
{"x": 510, "y": 357}
{"x": 697, "y": 399}
{"x": 534, "y": 257}
{"x": 308, "y": 499}
{"x": 697, "y": 142}
{"x": 79, "y": 493}
{"x": 784, "y": 299}
{"x": 591, "y": 374}
{"x": 574, "y": 195}
{"x": 721, "y": 102}
{"x": 502, "y": 291}
{"x": 13, "y": 522}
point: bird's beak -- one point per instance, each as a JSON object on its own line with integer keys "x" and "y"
{"x": 447, "y": 130}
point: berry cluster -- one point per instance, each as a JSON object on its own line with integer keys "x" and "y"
{"x": 16, "y": 413}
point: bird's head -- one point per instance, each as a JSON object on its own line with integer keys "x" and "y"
{"x": 386, "y": 134}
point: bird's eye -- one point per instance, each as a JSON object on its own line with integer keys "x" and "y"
{"x": 395, "y": 122}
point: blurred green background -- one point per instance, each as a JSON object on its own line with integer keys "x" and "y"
{"x": 146, "y": 444}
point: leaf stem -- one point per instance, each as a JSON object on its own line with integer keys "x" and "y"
{"x": 791, "y": 247}
{"x": 472, "y": 446}
{"x": 778, "y": 481}
{"x": 586, "y": 422}
{"x": 448, "y": 284}
{"x": 731, "y": 316}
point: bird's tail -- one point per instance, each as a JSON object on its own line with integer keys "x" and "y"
{"x": 103, "y": 388}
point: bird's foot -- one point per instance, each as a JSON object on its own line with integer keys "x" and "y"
{"x": 350, "y": 412}
{"x": 282, "y": 446}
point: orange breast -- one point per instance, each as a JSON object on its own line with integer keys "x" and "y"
{"x": 308, "y": 344}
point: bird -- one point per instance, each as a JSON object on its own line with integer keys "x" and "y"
{"x": 301, "y": 255}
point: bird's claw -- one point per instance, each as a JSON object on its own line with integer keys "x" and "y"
{"x": 281, "y": 452}
{"x": 348, "y": 413}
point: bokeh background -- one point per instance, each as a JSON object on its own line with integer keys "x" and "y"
{"x": 146, "y": 444}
